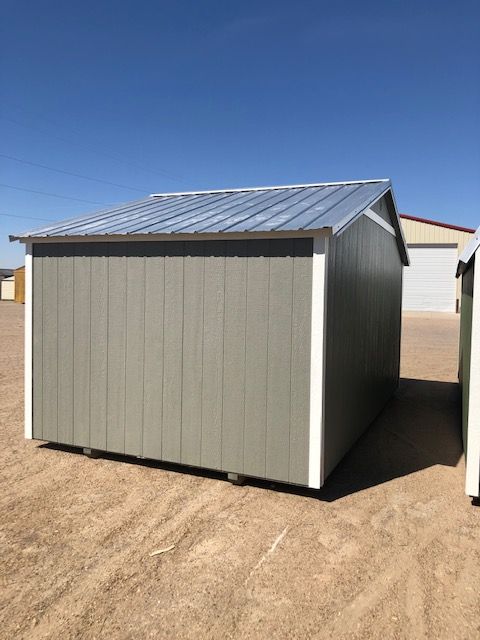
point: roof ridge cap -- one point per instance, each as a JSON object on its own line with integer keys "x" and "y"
{"x": 268, "y": 188}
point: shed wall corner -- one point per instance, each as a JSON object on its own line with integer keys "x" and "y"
{"x": 471, "y": 388}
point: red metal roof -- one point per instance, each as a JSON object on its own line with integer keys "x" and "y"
{"x": 436, "y": 223}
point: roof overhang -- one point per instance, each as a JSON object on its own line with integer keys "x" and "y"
{"x": 401, "y": 241}
{"x": 309, "y": 210}
{"x": 468, "y": 253}
{"x": 171, "y": 237}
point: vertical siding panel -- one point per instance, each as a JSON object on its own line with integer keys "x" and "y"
{"x": 256, "y": 357}
{"x": 300, "y": 367}
{"x": 116, "y": 347}
{"x": 50, "y": 351}
{"x": 234, "y": 356}
{"x": 81, "y": 346}
{"x": 98, "y": 345}
{"x": 279, "y": 359}
{"x": 465, "y": 354}
{"x": 212, "y": 375}
{"x": 173, "y": 358}
{"x": 179, "y": 346}
{"x": 65, "y": 347}
{"x": 37, "y": 348}
{"x": 364, "y": 291}
{"x": 135, "y": 338}
{"x": 192, "y": 353}
{"x": 153, "y": 374}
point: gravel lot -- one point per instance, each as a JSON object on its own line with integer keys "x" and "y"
{"x": 390, "y": 548}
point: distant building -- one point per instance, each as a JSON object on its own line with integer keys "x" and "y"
{"x": 20, "y": 285}
{"x": 429, "y": 283}
{"x": 5, "y": 273}
{"x": 12, "y": 284}
{"x": 7, "y": 288}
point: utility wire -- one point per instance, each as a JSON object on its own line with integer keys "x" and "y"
{"x": 12, "y": 215}
{"x": 70, "y": 173}
{"x": 98, "y": 151}
{"x": 52, "y": 195}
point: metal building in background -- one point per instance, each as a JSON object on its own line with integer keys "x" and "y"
{"x": 434, "y": 248}
{"x": 252, "y": 331}
{"x": 469, "y": 365}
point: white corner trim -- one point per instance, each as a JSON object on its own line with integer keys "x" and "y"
{"x": 315, "y": 452}
{"x": 379, "y": 220}
{"x": 472, "y": 483}
{"x": 28, "y": 340}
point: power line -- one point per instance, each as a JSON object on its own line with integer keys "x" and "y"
{"x": 12, "y": 215}
{"x": 52, "y": 195}
{"x": 90, "y": 148}
{"x": 71, "y": 173}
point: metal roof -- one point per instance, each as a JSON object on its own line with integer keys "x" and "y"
{"x": 468, "y": 252}
{"x": 264, "y": 209}
{"x": 436, "y": 223}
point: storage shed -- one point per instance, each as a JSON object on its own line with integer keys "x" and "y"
{"x": 7, "y": 288}
{"x": 434, "y": 249}
{"x": 469, "y": 365}
{"x": 20, "y": 285}
{"x": 252, "y": 331}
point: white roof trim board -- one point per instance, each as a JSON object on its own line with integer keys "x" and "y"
{"x": 468, "y": 252}
{"x": 282, "y": 209}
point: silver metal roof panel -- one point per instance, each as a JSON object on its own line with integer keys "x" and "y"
{"x": 306, "y": 207}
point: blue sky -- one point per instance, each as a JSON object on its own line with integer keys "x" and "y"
{"x": 169, "y": 96}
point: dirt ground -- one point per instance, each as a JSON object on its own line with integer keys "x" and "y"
{"x": 390, "y": 548}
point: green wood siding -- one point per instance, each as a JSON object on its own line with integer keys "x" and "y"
{"x": 363, "y": 333}
{"x": 190, "y": 352}
{"x": 465, "y": 345}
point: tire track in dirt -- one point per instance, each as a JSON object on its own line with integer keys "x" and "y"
{"x": 80, "y": 533}
{"x": 140, "y": 524}
{"x": 404, "y": 561}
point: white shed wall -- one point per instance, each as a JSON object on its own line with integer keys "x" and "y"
{"x": 8, "y": 288}
{"x": 472, "y": 485}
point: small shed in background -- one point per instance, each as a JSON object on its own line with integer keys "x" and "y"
{"x": 252, "y": 331}
{"x": 469, "y": 365}
{"x": 20, "y": 285}
{"x": 7, "y": 288}
{"x": 434, "y": 249}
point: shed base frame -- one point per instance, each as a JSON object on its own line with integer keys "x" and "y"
{"x": 92, "y": 453}
{"x": 236, "y": 478}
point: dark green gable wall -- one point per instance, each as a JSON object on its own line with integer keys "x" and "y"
{"x": 363, "y": 333}
{"x": 465, "y": 345}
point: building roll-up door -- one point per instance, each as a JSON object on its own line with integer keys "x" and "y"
{"x": 429, "y": 282}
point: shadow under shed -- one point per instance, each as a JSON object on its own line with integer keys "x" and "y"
{"x": 420, "y": 427}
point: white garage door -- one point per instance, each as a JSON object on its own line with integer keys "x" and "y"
{"x": 429, "y": 282}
